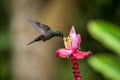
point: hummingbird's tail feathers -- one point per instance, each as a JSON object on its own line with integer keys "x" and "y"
{"x": 39, "y": 38}
{"x": 31, "y": 42}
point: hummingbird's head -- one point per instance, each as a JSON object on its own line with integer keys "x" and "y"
{"x": 59, "y": 33}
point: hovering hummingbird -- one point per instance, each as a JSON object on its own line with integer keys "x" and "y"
{"x": 45, "y": 31}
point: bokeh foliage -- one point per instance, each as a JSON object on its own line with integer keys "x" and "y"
{"x": 106, "y": 63}
{"x": 4, "y": 43}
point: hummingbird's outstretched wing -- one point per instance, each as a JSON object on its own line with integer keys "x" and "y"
{"x": 41, "y": 28}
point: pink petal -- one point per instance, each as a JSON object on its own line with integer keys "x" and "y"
{"x": 72, "y": 32}
{"x": 78, "y": 56}
{"x": 75, "y": 43}
{"x": 63, "y": 52}
{"x": 81, "y": 55}
{"x": 78, "y": 38}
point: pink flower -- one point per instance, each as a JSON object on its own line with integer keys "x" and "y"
{"x": 72, "y": 43}
{"x": 72, "y": 50}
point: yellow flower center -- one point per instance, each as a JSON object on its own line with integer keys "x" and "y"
{"x": 67, "y": 42}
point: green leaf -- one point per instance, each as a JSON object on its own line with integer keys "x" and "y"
{"x": 107, "y": 33}
{"x": 107, "y": 65}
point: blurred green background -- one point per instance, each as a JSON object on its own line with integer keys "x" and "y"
{"x": 98, "y": 22}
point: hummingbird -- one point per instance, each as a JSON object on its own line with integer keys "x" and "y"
{"x": 45, "y": 31}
